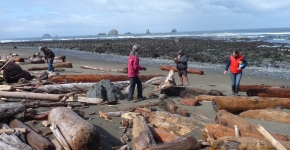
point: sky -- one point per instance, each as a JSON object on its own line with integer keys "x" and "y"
{"x": 34, "y": 18}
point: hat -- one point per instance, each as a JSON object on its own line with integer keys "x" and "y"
{"x": 180, "y": 52}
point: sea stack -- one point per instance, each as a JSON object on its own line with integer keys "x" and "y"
{"x": 147, "y": 31}
{"x": 113, "y": 32}
{"x": 46, "y": 35}
{"x": 173, "y": 30}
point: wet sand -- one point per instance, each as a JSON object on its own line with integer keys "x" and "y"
{"x": 111, "y": 132}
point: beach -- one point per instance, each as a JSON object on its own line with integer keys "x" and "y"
{"x": 213, "y": 79}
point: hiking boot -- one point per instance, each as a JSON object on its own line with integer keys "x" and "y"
{"x": 141, "y": 98}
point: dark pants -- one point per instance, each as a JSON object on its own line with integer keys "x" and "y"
{"x": 50, "y": 62}
{"x": 133, "y": 82}
{"x": 236, "y": 78}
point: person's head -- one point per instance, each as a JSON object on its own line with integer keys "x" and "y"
{"x": 236, "y": 53}
{"x": 135, "y": 49}
{"x": 180, "y": 53}
{"x": 41, "y": 48}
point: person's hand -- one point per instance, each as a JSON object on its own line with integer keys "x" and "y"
{"x": 239, "y": 68}
{"x": 145, "y": 68}
{"x": 225, "y": 72}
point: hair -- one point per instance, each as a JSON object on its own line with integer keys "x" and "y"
{"x": 236, "y": 52}
{"x": 136, "y": 47}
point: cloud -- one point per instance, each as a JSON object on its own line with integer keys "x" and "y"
{"x": 89, "y": 17}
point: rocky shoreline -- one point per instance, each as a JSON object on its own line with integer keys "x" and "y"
{"x": 265, "y": 59}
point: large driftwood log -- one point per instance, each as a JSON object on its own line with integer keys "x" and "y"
{"x": 183, "y": 143}
{"x": 142, "y": 136}
{"x": 181, "y": 91}
{"x": 97, "y": 77}
{"x": 156, "y": 80}
{"x": 270, "y": 92}
{"x": 59, "y": 65}
{"x": 227, "y": 119}
{"x": 170, "y": 106}
{"x": 174, "y": 123}
{"x": 78, "y": 132}
{"x": 10, "y": 110}
{"x": 247, "y": 143}
{"x": 216, "y": 131}
{"x": 168, "y": 82}
{"x": 265, "y": 114}
{"x": 14, "y": 141}
{"x": 245, "y": 88}
{"x": 34, "y": 139}
{"x": 162, "y": 136}
{"x": 125, "y": 70}
{"x": 31, "y": 96}
{"x": 189, "y": 70}
{"x": 239, "y": 104}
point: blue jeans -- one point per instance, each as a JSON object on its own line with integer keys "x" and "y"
{"x": 50, "y": 62}
{"x": 236, "y": 78}
{"x": 133, "y": 82}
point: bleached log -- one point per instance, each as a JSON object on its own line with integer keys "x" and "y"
{"x": 10, "y": 110}
{"x": 78, "y": 133}
{"x": 31, "y": 96}
{"x": 125, "y": 70}
{"x": 168, "y": 82}
{"x": 84, "y": 100}
{"x": 10, "y": 131}
{"x": 34, "y": 139}
{"x": 116, "y": 114}
{"x": 5, "y": 146}
{"x": 6, "y": 88}
{"x": 156, "y": 80}
{"x": 57, "y": 144}
{"x": 270, "y": 138}
{"x": 142, "y": 136}
{"x": 14, "y": 141}
{"x": 59, "y": 137}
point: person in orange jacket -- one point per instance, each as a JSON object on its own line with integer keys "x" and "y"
{"x": 236, "y": 63}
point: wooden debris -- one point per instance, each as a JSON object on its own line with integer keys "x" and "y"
{"x": 245, "y": 88}
{"x": 183, "y": 143}
{"x": 174, "y": 123}
{"x": 168, "y": 82}
{"x": 150, "y": 104}
{"x": 270, "y": 92}
{"x": 58, "y": 65}
{"x": 37, "y": 104}
{"x": 204, "y": 97}
{"x": 248, "y": 143}
{"x": 162, "y": 136}
{"x": 142, "y": 136}
{"x": 84, "y": 99}
{"x": 10, "y": 110}
{"x": 227, "y": 119}
{"x": 10, "y": 131}
{"x": 170, "y": 106}
{"x": 181, "y": 91}
{"x": 60, "y": 137}
{"x": 34, "y": 139}
{"x": 239, "y": 104}
{"x": 116, "y": 114}
{"x": 189, "y": 70}
{"x": 14, "y": 141}
{"x": 6, "y": 88}
{"x": 97, "y": 77}
{"x": 103, "y": 115}
{"x": 31, "y": 96}
{"x": 83, "y": 135}
{"x": 190, "y": 102}
{"x": 156, "y": 80}
{"x": 265, "y": 114}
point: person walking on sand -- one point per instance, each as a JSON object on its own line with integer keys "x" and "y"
{"x": 133, "y": 72}
{"x": 236, "y": 63}
{"x": 48, "y": 57}
{"x": 181, "y": 65}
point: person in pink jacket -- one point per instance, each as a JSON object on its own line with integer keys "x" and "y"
{"x": 133, "y": 72}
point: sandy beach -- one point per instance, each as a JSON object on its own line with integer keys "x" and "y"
{"x": 111, "y": 132}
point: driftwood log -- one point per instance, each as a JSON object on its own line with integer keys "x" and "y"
{"x": 142, "y": 136}
{"x": 168, "y": 82}
{"x": 204, "y": 98}
{"x": 216, "y": 131}
{"x": 96, "y": 78}
{"x": 189, "y": 70}
{"x": 34, "y": 139}
{"x": 270, "y": 92}
{"x": 17, "y": 59}
{"x": 181, "y": 91}
{"x": 239, "y": 104}
{"x": 174, "y": 123}
{"x": 189, "y": 102}
{"x": 245, "y": 88}
{"x": 10, "y": 110}
{"x": 227, "y": 119}
{"x": 156, "y": 80}
{"x": 248, "y": 143}
{"x": 38, "y": 61}
{"x": 37, "y": 104}
{"x": 14, "y": 141}
{"x": 43, "y": 116}
{"x": 170, "y": 106}
{"x": 59, "y": 65}
{"x": 183, "y": 143}
{"x": 78, "y": 132}
{"x": 125, "y": 70}
{"x": 10, "y": 131}
{"x": 162, "y": 136}
{"x": 265, "y": 114}
{"x": 31, "y": 96}
{"x": 84, "y": 100}
{"x": 59, "y": 137}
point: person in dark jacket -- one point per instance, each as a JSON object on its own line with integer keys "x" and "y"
{"x": 48, "y": 57}
{"x": 236, "y": 63}
{"x": 133, "y": 72}
{"x": 181, "y": 65}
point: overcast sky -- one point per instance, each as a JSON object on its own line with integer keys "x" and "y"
{"x": 33, "y": 18}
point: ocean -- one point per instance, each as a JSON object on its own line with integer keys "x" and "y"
{"x": 275, "y": 35}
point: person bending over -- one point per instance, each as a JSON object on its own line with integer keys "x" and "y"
{"x": 48, "y": 57}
